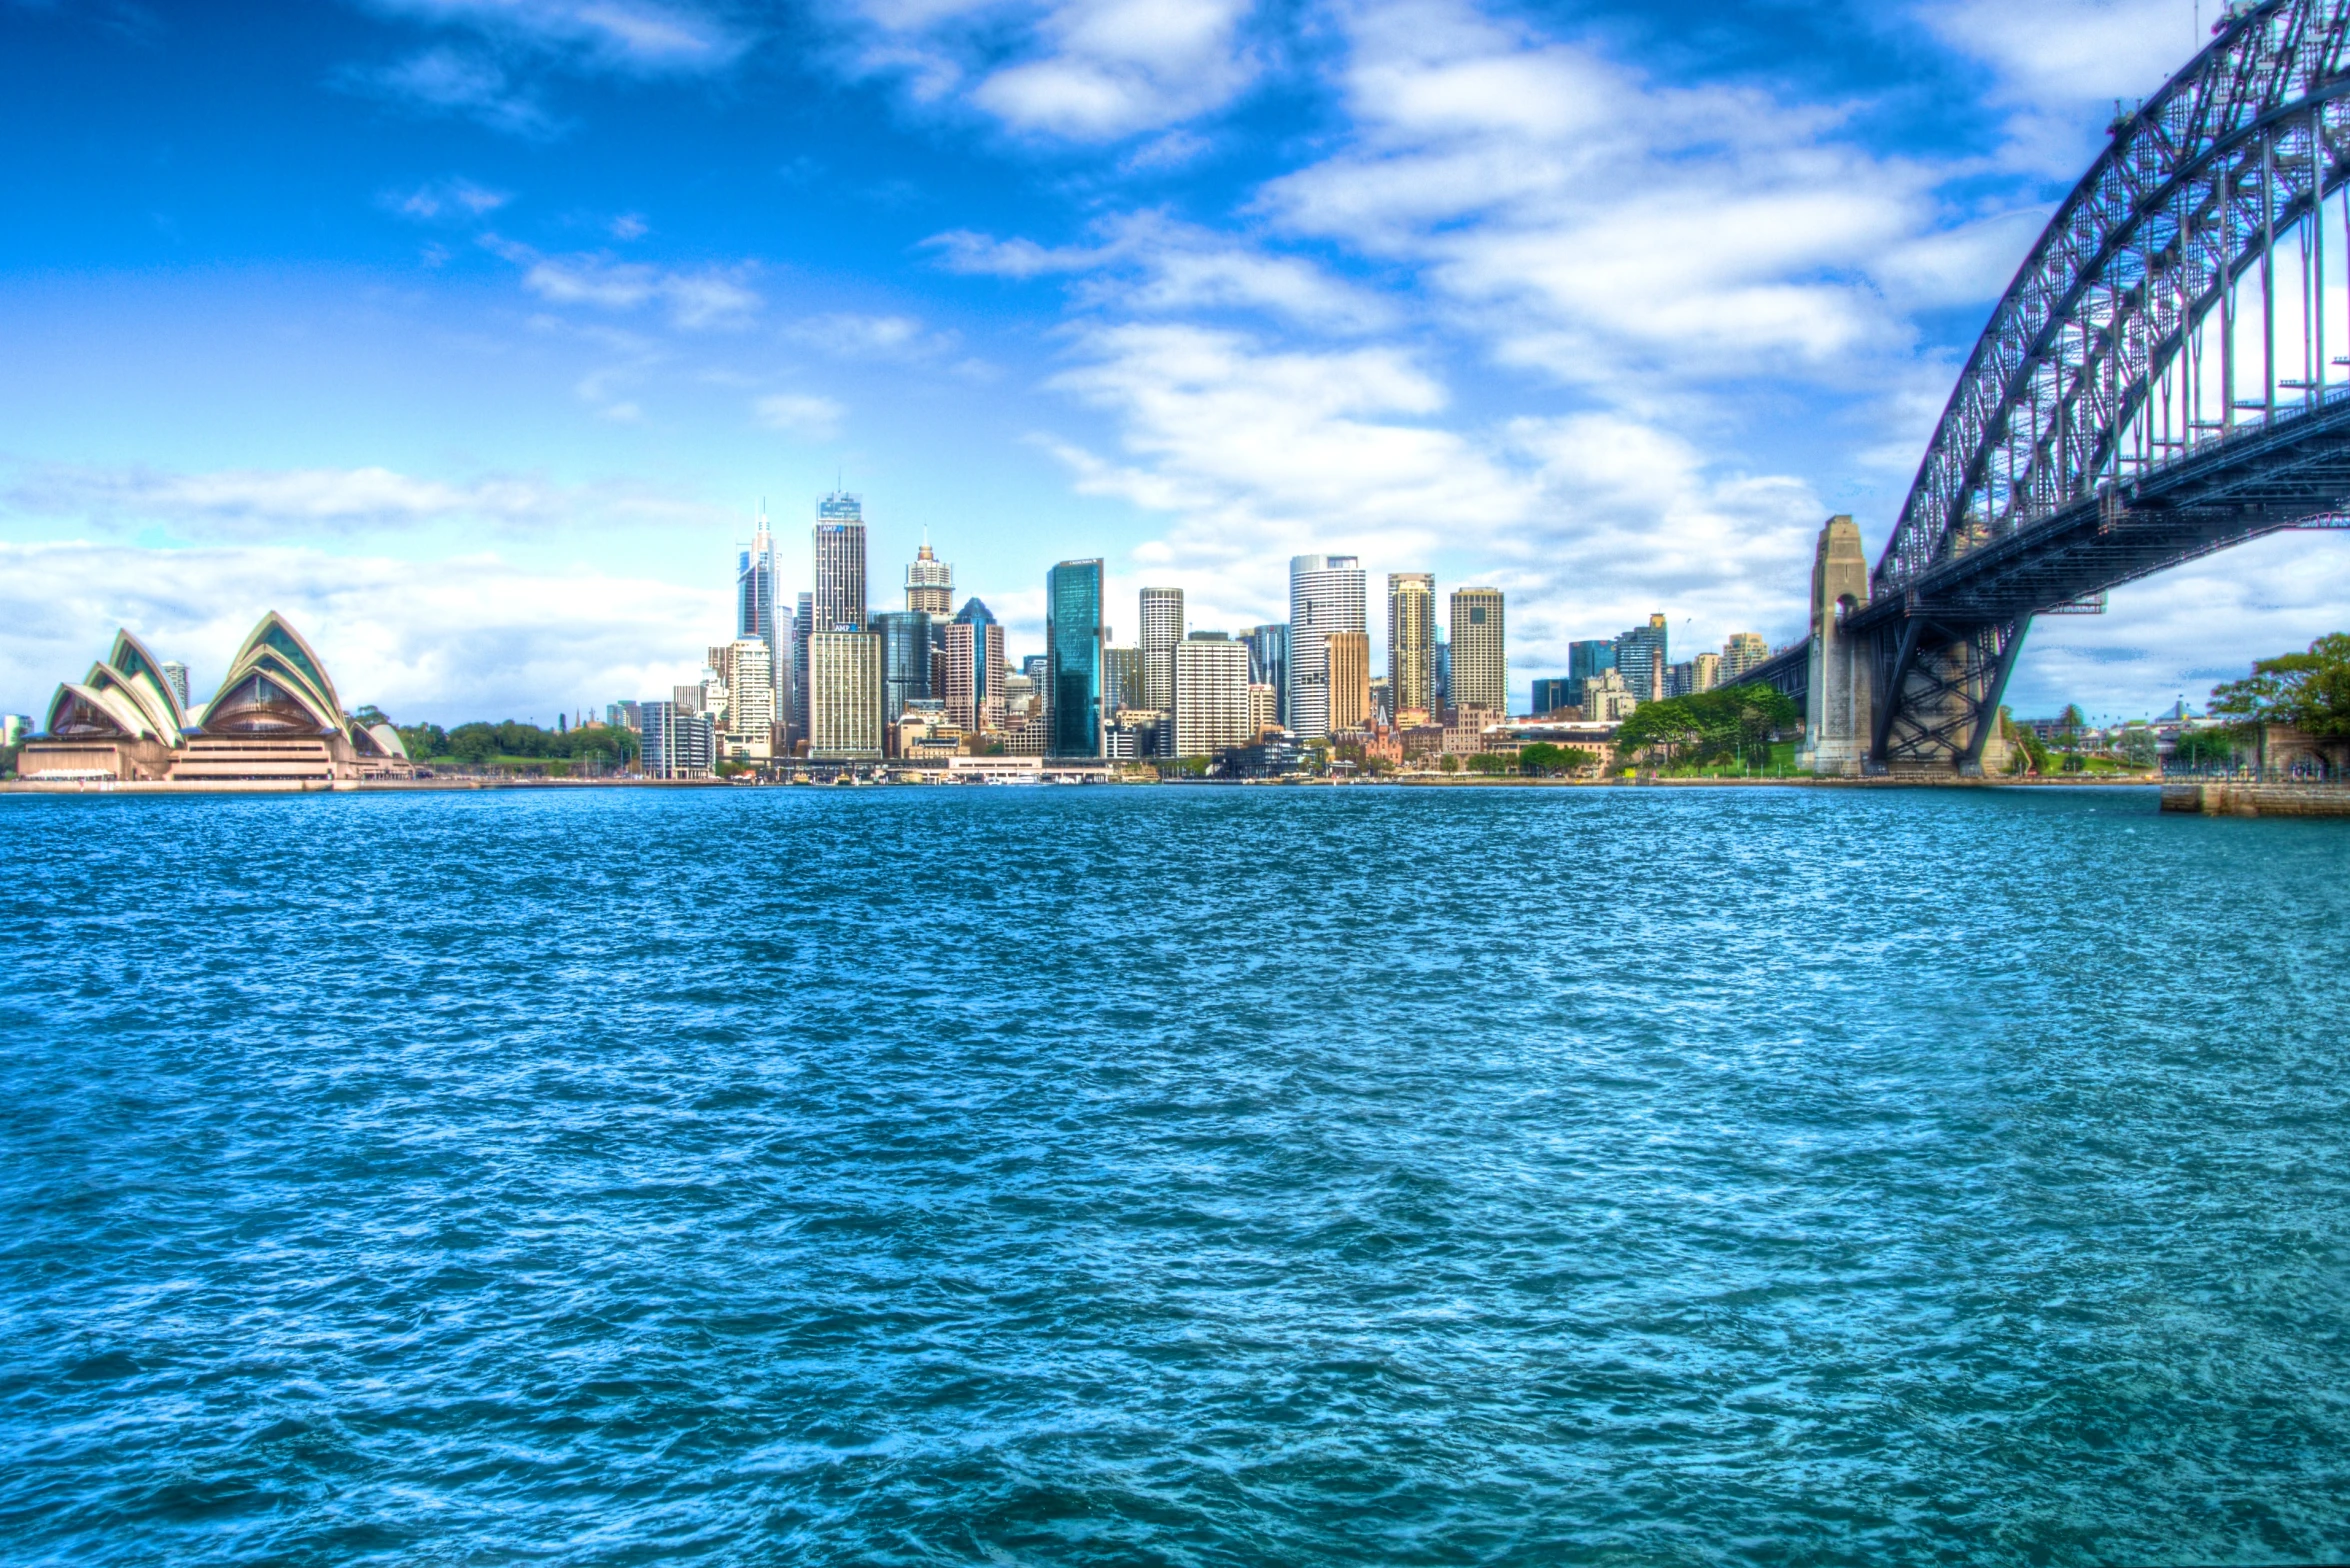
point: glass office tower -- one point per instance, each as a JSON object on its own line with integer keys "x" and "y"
{"x": 1074, "y": 637}
{"x": 905, "y": 660}
{"x": 1268, "y": 664}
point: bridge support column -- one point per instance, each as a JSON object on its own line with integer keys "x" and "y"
{"x": 1839, "y": 724}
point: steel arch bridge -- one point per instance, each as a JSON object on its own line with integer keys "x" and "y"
{"x": 2164, "y": 378}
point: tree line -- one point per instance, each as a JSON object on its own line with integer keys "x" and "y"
{"x": 1730, "y": 723}
{"x": 479, "y": 742}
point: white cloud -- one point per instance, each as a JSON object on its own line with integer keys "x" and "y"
{"x": 629, "y": 35}
{"x": 2057, "y": 63}
{"x": 1075, "y": 70}
{"x": 1605, "y": 228}
{"x": 307, "y": 503}
{"x": 474, "y": 637}
{"x": 443, "y": 80}
{"x": 707, "y": 299}
{"x": 799, "y": 413}
{"x": 1147, "y": 262}
{"x": 1588, "y": 521}
{"x": 455, "y": 197}
{"x": 848, "y": 335}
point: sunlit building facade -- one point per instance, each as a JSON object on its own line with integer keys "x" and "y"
{"x": 1480, "y": 652}
{"x": 1411, "y": 645}
{"x": 1211, "y": 695}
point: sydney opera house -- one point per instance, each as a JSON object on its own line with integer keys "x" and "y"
{"x": 275, "y": 720}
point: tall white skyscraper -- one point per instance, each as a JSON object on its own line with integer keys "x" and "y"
{"x": 1325, "y": 596}
{"x": 1211, "y": 695}
{"x": 760, "y": 614}
{"x": 1480, "y": 651}
{"x": 1162, "y": 629}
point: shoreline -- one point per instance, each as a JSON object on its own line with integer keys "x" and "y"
{"x": 207, "y": 787}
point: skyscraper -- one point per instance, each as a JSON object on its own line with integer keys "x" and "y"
{"x": 759, "y": 615}
{"x": 803, "y": 623}
{"x": 1642, "y": 657}
{"x": 1480, "y": 653}
{"x": 1123, "y": 685}
{"x": 1268, "y": 664}
{"x": 754, "y": 587}
{"x": 750, "y": 692}
{"x": 175, "y": 675}
{"x": 1325, "y": 596}
{"x": 1741, "y": 653}
{"x": 1162, "y": 629}
{"x": 844, "y": 697}
{"x": 930, "y": 583}
{"x": 1211, "y": 695}
{"x": 1348, "y": 661}
{"x": 840, "y": 563}
{"x": 905, "y": 660}
{"x": 1074, "y": 637}
{"x": 975, "y": 662}
{"x": 1411, "y": 643}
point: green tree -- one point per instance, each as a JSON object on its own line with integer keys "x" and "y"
{"x": 1489, "y": 763}
{"x": 2217, "y": 748}
{"x": 2309, "y": 691}
{"x": 1734, "y": 721}
{"x": 1448, "y": 763}
{"x": 424, "y": 740}
{"x": 1542, "y": 759}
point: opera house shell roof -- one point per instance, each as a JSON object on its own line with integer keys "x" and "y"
{"x": 275, "y": 719}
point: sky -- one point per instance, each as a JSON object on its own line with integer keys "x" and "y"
{"x": 472, "y": 335}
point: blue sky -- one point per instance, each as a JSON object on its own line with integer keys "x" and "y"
{"x": 470, "y": 333}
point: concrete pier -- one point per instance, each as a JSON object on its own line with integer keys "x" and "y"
{"x": 2223, "y": 798}
{"x": 1839, "y": 724}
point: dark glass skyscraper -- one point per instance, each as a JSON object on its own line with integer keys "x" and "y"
{"x": 1584, "y": 660}
{"x": 1268, "y": 664}
{"x": 840, "y": 564}
{"x": 1074, "y": 637}
{"x": 905, "y": 660}
{"x": 1641, "y": 657}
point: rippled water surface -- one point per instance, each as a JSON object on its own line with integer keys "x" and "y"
{"x": 1172, "y": 1176}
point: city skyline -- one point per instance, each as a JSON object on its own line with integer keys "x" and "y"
{"x": 491, "y": 355}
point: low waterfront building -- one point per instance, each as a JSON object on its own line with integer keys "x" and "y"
{"x": 679, "y": 742}
{"x": 1275, "y": 756}
{"x": 275, "y": 719}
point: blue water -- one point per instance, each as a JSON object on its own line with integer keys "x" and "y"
{"x": 1172, "y": 1176}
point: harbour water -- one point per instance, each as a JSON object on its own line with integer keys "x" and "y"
{"x": 1166, "y": 1176}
